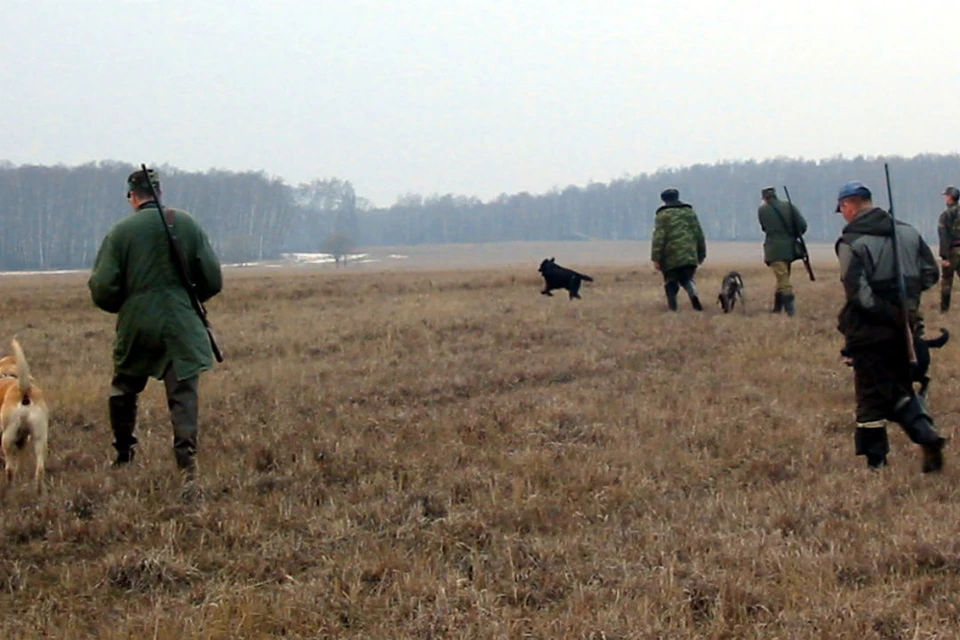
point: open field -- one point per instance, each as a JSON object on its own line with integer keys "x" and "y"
{"x": 452, "y": 455}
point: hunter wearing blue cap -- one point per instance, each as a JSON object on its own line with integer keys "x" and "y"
{"x": 872, "y": 323}
{"x": 854, "y": 189}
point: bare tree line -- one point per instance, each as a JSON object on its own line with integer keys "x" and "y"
{"x": 54, "y": 217}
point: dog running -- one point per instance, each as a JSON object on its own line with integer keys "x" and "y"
{"x": 918, "y": 372}
{"x": 731, "y": 291}
{"x": 922, "y": 346}
{"x": 557, "y": 277}
{"x": 23, "y": 417}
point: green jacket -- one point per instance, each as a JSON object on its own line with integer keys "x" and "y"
{"x": 134, "y": 276}
{"x": 780, "y": 244}
{"x": 677, "y": 238}
{"x": 948, "y": 230}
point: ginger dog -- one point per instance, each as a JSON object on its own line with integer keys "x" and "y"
{"x": 23, "y": 416}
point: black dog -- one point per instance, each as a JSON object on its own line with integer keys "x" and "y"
{"x": 557, "y": 277}
{"x": 918, "y": 372}
{"x": 731, "y": 290}
{"x": 922, "y": 346}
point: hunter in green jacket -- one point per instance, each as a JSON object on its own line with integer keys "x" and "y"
{"x": 948, "y": 230}
{"x": 158, "y": 333}
{"x": 782, "y": 224}
{"x": 678, "y": 247}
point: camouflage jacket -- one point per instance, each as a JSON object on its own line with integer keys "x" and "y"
{"x": 134, "y": 276}
{"x": 782, "y": 223}
{"x": 677, "y": 237}
{"x": 948, "y": 228}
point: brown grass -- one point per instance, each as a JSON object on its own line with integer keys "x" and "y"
{"x": 452, "y": 455}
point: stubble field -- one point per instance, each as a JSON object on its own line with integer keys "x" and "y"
{"x": 452, "y": 455}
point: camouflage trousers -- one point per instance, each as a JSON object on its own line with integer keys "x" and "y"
{"x": 781, "y": 271}
{"x": 946, "y": 279}
{"x": 182, "y": 402}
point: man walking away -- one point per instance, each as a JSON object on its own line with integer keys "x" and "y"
{"x": 873, "y": 324}
{"x": 782, "y": 224}
{"x": 948, "y": 228}
{"x": 158, "y": 333}
{"x": 678, "y": 247}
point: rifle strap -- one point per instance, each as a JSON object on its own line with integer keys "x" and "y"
{"x": 176, "y": 254}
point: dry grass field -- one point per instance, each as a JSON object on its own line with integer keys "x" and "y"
{"x": 452, "y": 455}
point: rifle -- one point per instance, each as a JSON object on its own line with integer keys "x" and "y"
{"x": 180, "y": 263}
{"x": 901, "y": 283}
{"x": 804, "y": 254}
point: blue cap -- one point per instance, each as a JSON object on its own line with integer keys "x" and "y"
{"x": 850, "y": 189}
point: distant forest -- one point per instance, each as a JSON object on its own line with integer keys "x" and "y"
{"x": 54, "y": 217}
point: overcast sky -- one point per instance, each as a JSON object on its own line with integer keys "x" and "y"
{"x": 475, "y": 98}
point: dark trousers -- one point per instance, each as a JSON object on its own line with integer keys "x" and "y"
{"x": 881, "y": 381}
{"x": 680, "y": 277}
{"x": 182, "y": 401}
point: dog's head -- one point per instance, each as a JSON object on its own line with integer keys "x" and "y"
{"x": 724, "y": 302}
{"x": 546, "y": 264}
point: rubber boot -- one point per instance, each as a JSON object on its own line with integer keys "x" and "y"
{"x": 944, "y": 302}
{"x": 691, "y": 288}
{"x": 671, "y": 289}
{"x": 123, "y": 420}
{"x": 777, "y": 303}
{"x": 916, "y": 421}
{"x": 789, "y": 303}
{"x": 870, "y": 440}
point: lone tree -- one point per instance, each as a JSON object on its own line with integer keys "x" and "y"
{"x": 338, "y": 245}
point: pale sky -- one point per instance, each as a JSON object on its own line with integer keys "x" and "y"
{"x": 473, "y": 98}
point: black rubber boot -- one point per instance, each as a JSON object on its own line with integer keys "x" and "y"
{"x": 918, "y": 424}
{"x": 777, "y": 303}
{"x": 123, "y": 420}
{"x": 944, "y": 302}
{"x": 873, "y": 444}
{"x": 671, "y": 289}
{"x": 691, "y": 288}
{"x": 789, "y": 303}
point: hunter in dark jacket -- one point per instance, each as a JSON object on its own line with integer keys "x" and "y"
{"x": 782, "y": 224}
{"x": 158, "y": 333}
{"x": 875, "y": 328}
{"x": 948, "y": 230}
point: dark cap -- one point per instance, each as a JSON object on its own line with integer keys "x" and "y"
{"x": 136, "y": 181}
{"x": 853, "y": 189}
{"x": 670, "y": 195}
{"x": 953, "y": 192}
{"x": 768, "y": 192}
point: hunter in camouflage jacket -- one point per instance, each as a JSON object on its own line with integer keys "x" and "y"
{"x": 678, "y": 239}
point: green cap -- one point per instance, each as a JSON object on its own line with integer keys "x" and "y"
{"x": 136, "y": 181}
{"x": 768, "y": 192}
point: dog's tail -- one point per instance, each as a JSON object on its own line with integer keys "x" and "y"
{"x": 584, "y": 277}
{"x": 23, "y": 372}
{"x": 936, "y": 343}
